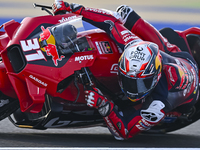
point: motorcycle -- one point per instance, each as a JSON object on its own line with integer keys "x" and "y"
{"x": 45, "y": 85}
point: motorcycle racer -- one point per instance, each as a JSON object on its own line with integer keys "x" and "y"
{"x": 151, "y": 71}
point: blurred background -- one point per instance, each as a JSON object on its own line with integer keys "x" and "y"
{"x": 177, "y": 14}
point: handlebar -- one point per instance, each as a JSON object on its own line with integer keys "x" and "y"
{"x": 43, "y": 7}
{"x": 38, "y": 5}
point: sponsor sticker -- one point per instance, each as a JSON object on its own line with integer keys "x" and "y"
{"x": 114, "y": 68}
{"x": 83, "y": 58}
{"x": 104, "y": 47}
{"x": 38, "y": 80}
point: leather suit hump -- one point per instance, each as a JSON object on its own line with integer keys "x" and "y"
{"x": 182, "y": 79}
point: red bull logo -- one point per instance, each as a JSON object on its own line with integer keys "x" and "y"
{"x": 50, "y": 49}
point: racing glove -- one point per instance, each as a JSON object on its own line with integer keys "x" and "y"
{"x": 96, "y": 100}
{"x": 61, "y": 7}
{"x": 124, "y": 11}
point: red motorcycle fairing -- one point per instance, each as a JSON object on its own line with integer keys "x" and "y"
{"x": 34, "y": 81}
{"x": 4, "y": 39}
{"x": 34, "y": 77}
{"x": 5, "y": 84}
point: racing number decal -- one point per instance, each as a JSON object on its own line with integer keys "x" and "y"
{"x": 29, "y": 45}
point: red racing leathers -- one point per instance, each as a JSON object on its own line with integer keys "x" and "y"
{"x": 177, "y": 87}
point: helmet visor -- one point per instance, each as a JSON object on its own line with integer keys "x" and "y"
{"x": 136, "y": 87}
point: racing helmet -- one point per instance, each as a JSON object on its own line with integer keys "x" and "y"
{"x": 140, "y": 68}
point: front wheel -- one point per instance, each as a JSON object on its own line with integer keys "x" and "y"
{"x": 7, "y": 106}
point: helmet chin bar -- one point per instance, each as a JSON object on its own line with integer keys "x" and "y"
{"x": 138, "y": 99}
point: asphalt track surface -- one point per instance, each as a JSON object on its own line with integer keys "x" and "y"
{"x": 11, "y": 136}
{"x": 176, "y": 14}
